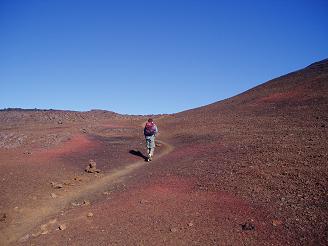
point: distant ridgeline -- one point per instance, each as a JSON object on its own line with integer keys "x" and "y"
{"x": 25, "y": 109}
{"x": 47, "y": 110}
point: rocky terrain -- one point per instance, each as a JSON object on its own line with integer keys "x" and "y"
{"x": 248, "y": 170}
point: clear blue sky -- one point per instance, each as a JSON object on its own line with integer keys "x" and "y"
{"x": 142, "y": 57}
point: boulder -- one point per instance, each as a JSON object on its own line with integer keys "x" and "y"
{"x": 91, "y": 168}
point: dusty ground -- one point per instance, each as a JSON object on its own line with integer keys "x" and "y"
{"x": 249, "y": 170}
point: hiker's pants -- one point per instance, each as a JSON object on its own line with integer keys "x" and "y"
{"x": 150, "y": 143}
{"x": 150, "y": 152}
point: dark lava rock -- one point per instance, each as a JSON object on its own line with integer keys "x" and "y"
{"x": 62, "y": 227}
{"x": 92, "y": 163}
{"x": 56, "y": 185}
{"x": 247, "y": 227}
{"x": 3, "y": 217}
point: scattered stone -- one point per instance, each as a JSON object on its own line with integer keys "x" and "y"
{"x": 75, "y": 204}
{"x": 276, "y": 222}
{"x": 173, "y": 229}
{"x": 44, "y": 228}
{"x": 143, "y": 201}
{"x": 91, "y": 168}
{"x": 56, "y": 185}
{"x": 62, "y": 227}
{"x": 247, "y": 226}
{"x": 85, "y": 203}
{"x": 190, "y": 224}
{"x": 77, "y": 178}
{"x": 3, "y": 217}
{"x": 84, "y": 130}
{"x": 89, "y": 214}
{"x": 59, "y": 122}
{"x": 53, "y": 195}
{"x": 68, "y": 183}
{"x": 25, "y": 238}
{"x": 92, "y": 163}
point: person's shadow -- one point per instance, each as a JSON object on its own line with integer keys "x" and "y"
{"x": 138, "y": 153}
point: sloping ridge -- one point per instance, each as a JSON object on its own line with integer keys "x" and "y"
{"x": 268, "y": 144}
{"x": 309, "y": 83}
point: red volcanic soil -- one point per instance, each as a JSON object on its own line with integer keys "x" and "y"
{"x": 168, "y": 210}
{"x": 249, "y": 170}
{"x": 77, "y": 143}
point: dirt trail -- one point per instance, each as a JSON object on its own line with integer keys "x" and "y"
{"x": 32, "y": 217}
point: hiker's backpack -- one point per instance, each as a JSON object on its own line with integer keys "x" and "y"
{"x": 150, "y": 129}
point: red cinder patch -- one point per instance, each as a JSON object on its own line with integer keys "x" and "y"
{"x": 77, "y": 143}
{"x": 279, "y": 96}
{"x": 171, "y": 208}
{"x": 297, "y": 94}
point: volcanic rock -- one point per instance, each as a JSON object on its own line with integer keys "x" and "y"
{"x": 92, "y": 163}
{"x": 276, "y": 222}
{"x": 91, "y": 168}
{"x": 84, "y": 203}
{"x": 56, "y": 185}
{"x": 78, "y": 178}
{"x": 3, "y": 217}
{"x": 143, "y": 201}
{"x": 75, "y": 204}
{"x": 247, "y": 226}
{"x": 62, "y": 227}
{"x": 173, "y": 229}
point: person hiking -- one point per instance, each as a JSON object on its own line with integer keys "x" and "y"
{"x": 150, "y": 132}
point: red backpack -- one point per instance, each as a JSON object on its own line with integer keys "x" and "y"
{"x": 150, "y": 129}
